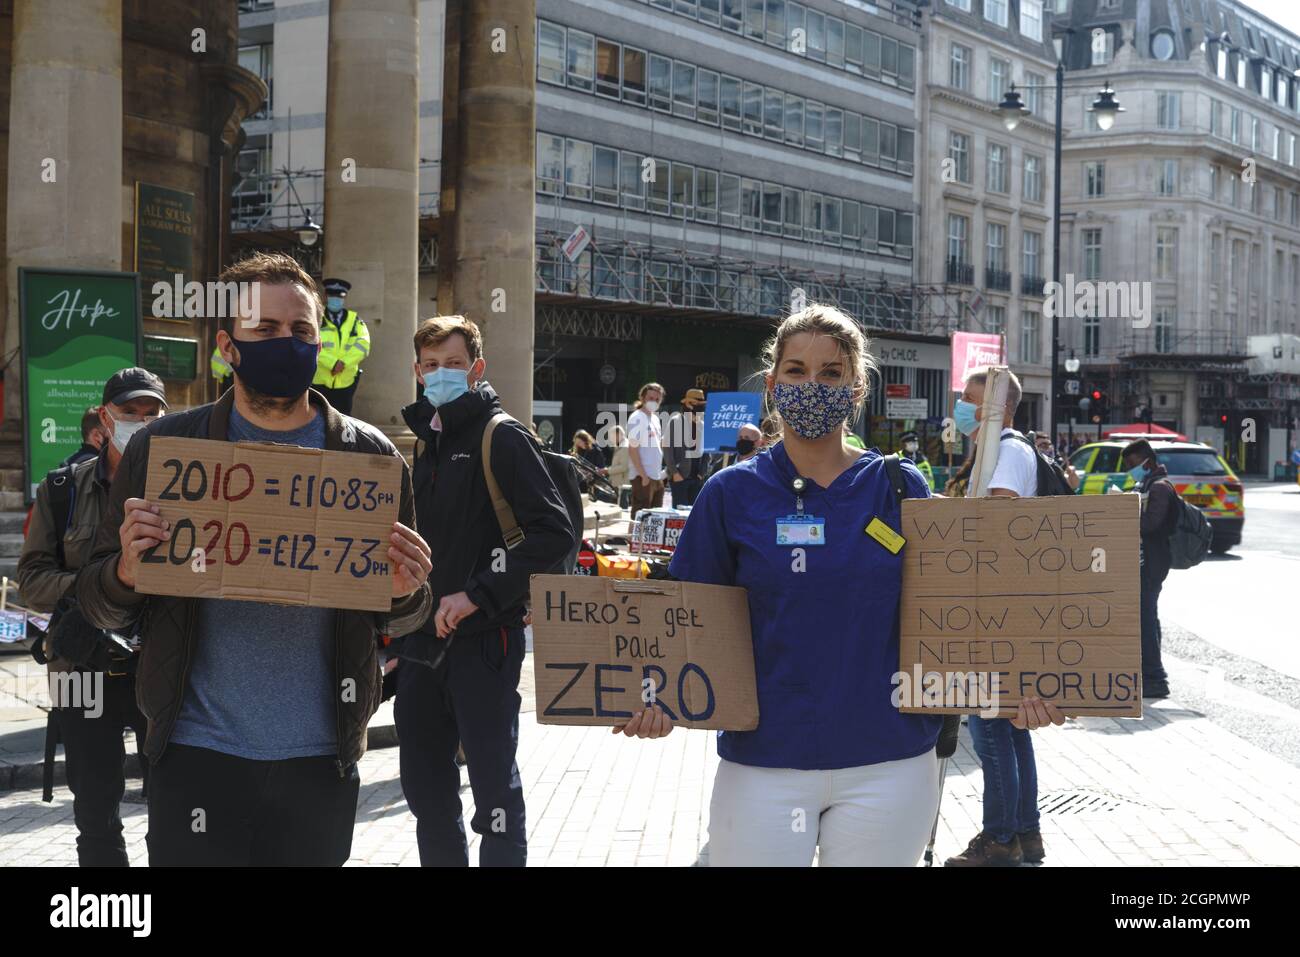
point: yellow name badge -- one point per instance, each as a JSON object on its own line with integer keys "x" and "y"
{"x": 885, "y": 535}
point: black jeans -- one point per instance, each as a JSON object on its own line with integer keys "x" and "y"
{"x": 93, "y": 750}
{"x": 686, "y": 491}
{"x": 472, "y": 697}
{"x": 212, "y": 809}
{"x": 341, "y": 399}
{"x": 1152, "y": 668}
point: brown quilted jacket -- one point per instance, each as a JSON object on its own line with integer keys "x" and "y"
{"x": 168, "y": 633}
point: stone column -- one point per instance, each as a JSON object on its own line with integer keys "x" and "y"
{"x": 372, "y": 219}
{"x": 494, "y": 221}
{"x": 65, "y": 190}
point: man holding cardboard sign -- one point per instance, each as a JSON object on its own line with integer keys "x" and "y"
{"x": 257, "y": 709}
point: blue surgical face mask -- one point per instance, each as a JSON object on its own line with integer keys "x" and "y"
{"x": 445, "y": 385}
{"x": 334, "y": 303}
{"x": 963, "y": 414}
{"x": 1139, "y": 472}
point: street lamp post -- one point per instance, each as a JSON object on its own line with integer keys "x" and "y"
{"x": 1105, "y": 108}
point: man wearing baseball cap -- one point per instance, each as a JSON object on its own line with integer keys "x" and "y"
{"x": 345, "y": 342}
{"x": 98, "y": 667}
{"x": 686, "y": 464}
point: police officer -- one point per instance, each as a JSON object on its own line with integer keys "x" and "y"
{"x": 912, "y": 451}
{"x": 86, "y": 664}
{"x": 221, "y": 370}
{"x": 345, "y": 342}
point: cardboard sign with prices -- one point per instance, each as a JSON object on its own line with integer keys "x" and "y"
{"x": 603, "y": 648}
{"x": 1037, "y": 595}
{"x": 273, "y": 523}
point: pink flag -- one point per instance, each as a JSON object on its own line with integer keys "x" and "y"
{"x": 972, "y": 351}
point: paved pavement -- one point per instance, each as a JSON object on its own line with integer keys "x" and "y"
{"x": 1170, "y": 789}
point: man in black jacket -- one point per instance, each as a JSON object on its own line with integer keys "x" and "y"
{"x": 1160, "y": 505}
{"x": 257, "y": 711}
{"x": 459, "y": 674}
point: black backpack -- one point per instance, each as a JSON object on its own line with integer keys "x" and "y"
{"x": 565, "y": 476}
{"x": 1191, "y": 538}
{"x": 947, "y": 745}
{"x": 1051, "y": 477}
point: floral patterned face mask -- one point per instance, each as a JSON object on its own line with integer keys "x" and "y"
{"x": 813, "y": 409}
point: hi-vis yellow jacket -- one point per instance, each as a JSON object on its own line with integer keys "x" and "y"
{"x": 349, "y": 343}
{"x": 220, "y": 367}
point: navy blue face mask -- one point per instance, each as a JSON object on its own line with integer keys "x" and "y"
{"x": 282, "y": 368}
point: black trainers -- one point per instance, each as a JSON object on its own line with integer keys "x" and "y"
{"x": 983, "y": 851}
{"x": 1155, "y": 689}
{"x": 1031, "y": 843}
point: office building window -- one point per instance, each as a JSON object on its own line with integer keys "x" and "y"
{"x": 731, "y": 113}
{"x": 634, "y": 76}
{"x": 1033, "y": 92}
{"x": 577, "y": 169}
{"x": 684, "y": 90}
{"x": 999, "y": 78}
{"x": 1103, "y": 47}
{"x": 995, "y": 11}
{"x": 1168, "y": 109}
{"x": 661, "y": 83}
{"x": 604, "y": 176}
{"x": 1167, "y": 178}
{"x": 609, "y": 59}
{"x": 997, "y": 177}
{"x": 1033, "y": 178}
{"x": 773, "y": 114}
{"x": 707, "y": 106}
{"x": 959, "y": 153}
{"x": 1092, "y": 254}
{"x": 632, "y": 182}
{"x": 959, "y": 61}
{"x": 1092, "y": 335}
{"x": 1165, "y": 329}
{"x": 794, "y": 120}
{"x": 1031, "y": 19}
{"x": 813, "y": 129}
{"x": 995, "y": 246}
{"x": 550, "y": 52}
{"x": 1031, "y": 350}
{"x": 1166, "y": 253}
{"x": 1033, "y": 255}
{"x": 582, "y": 61}
{"x": 958, "y": 239}
{"x": 1094, "y": 179}
{"x": 550, "y": 164}
{"x": 1216, "y": 259}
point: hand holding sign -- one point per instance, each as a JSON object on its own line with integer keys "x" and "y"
{"x": 412, "y": 560}
{"x": 142, "y": 528}
{"x": 650, "y": 723}
{"x": 1035, "y": 713}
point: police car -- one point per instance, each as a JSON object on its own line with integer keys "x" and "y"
{"x": 1197, "y": 472}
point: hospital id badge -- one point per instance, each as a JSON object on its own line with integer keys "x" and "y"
{"x": 800, "y": 530}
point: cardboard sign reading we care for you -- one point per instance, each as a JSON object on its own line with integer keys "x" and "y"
{"x": 272, "y": 523}
{"x": 1041, "y": 593}
{"x": 604, "y": 647}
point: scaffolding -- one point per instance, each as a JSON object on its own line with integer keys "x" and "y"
{"x": 282, "y": 199}
{"x": 616, "y": 273}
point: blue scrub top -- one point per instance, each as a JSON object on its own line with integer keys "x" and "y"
{"x": 825, "y": 638}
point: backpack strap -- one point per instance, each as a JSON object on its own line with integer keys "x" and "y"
{"x": 894, "y": 469}
{"x": 62, "y": 494}
{"x": 510, "y": 530}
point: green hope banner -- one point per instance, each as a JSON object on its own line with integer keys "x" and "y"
{"x": 78, "y": 328}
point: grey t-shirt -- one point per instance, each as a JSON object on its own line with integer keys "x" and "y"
{"x": 261, "y": 683}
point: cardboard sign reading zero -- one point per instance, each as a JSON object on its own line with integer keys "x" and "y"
{"x": 1040, "y": 592}
{"x": 601, "y": 645}
{"x": 273, "y": 523}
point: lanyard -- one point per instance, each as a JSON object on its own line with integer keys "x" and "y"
{"x": 799, "y": 484}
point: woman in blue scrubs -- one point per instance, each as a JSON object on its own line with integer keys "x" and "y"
{"x": 833, "y": 766}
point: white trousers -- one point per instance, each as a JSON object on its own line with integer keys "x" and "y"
{"x": 879, "y": 815}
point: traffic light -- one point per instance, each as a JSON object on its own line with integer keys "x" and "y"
{"x": 1098, "y": 410}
